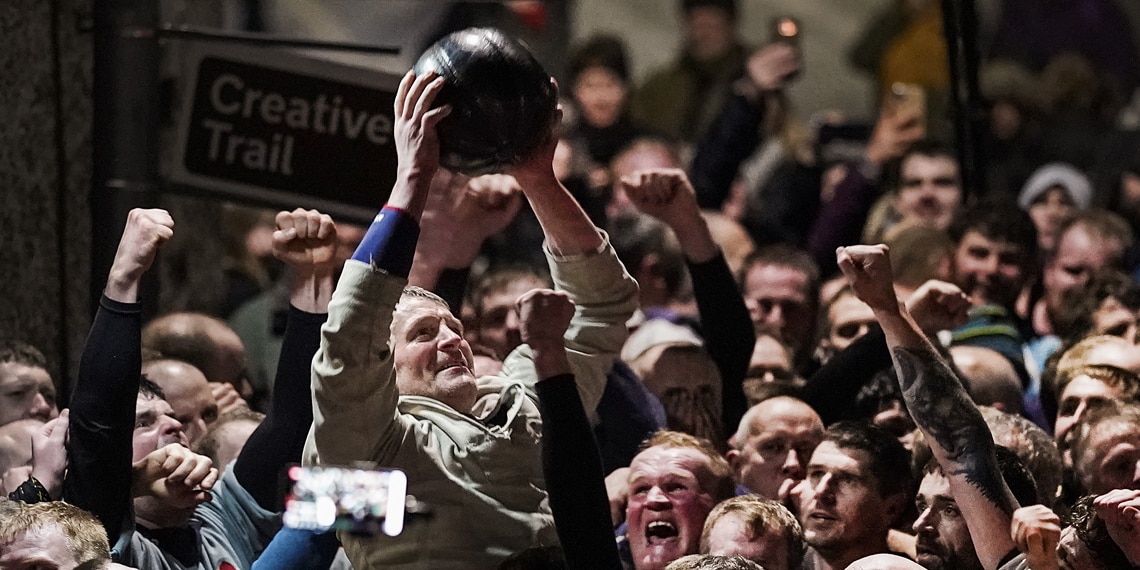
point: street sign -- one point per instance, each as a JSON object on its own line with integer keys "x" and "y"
{"x": 286, "y": 129}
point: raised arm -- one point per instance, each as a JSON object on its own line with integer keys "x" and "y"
{"x": 583, "y": 265}
{"x": 353, "y": 386}
{"x": 952, "y": 424}
{"x": 102, "y": 407}
{"x": 571, "y": 464}
{"x": 305, "y": 240}
{"x": 667, "y": 195}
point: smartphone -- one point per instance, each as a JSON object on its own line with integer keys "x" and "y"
{"x": 786, "y": 29}
{"x": 908, "y": 98}
{"x": 360, "y": 501}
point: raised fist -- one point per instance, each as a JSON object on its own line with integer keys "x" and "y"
{"x": 544, "y": 316}
{"x": 1036, "y": 530}
{"x": 306, "y": 241}
{"x": 938, "y": 306}
{"x": 145, "y": 232}
{"x": 868, "y": 271}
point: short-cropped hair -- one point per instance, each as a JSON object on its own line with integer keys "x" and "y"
{"x": 719, "y": 481}
{"x": 890, "y": 461}
{"x": 20, "y": 352}
{"x": 712, "y": 562}
{"x": 760, "y": 516}
{"x": 86, "y": 539}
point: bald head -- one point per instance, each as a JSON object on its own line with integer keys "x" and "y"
{"x": 207, "y": 343}
{"x": 884, "y": 562}
{"x": 990, "y": 377}
{"x": 188, "y": 394}
{"x": 771, "y": 447}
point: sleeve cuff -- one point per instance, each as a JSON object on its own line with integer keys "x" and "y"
{"x": 390, "y": 243}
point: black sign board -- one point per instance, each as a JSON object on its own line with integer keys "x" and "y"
{"x": 293, "y": 131}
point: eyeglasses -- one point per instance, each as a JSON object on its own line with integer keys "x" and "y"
{"x": 853, "y": 330}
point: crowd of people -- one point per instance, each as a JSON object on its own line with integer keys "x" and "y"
{"x": 653, "y": 343}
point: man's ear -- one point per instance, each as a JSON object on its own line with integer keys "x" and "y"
{"x": 733, "y": 457}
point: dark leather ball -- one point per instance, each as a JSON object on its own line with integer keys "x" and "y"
{"x": 503, "y": 103}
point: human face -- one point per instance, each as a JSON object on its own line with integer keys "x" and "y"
{"x": 770, "y": 360}
{"x": 1048, "y": 212}
{"x": 667, "y": 505}
{"x": 1113, "y": 318}
{"x": 730, "y": 536}
{"x": 43, "y": 548}
{"x": 850, "y": 319}
{"x": 783, "y": 433}
{"x": 840, "y": 507}
{"x": 431, "y": 356}
{"x": 188, "y": 394}
{"x": 708, "y": 33}
{"x": 26, "y": 392}
{"x": 1077, "y": 258}
{"x": 929, "y": 191}
{"x": 601, "y": 95}
{"x": 943, "y": 539}
{"x": 499, "y": 318}
{"x": 155, "y": 427}
{"x": 1080, "y": 395}
{"x": 779, "y": 301}
{"x": 989, "y": 271}
{"x": 16, "y": 443}
{"x": 1112, "y": 460}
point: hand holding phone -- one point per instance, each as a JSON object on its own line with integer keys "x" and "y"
{"x": 360, "y": 501}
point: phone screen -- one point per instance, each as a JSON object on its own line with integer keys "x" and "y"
{"x": 360, "y": 501}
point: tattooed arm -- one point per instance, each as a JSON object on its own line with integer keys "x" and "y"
{"x": 952, "y": 424}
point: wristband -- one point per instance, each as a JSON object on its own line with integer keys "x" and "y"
{"x": 390, "y": 243}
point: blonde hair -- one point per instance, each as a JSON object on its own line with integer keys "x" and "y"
{"x": 718, "y": 480}
{"x": 86, "y": 538}
{"x": 761, "y": 516}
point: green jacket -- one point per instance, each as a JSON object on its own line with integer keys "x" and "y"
{"x": 481, "y": 477}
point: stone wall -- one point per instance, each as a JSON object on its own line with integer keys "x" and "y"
{"x": 45, "y": 172}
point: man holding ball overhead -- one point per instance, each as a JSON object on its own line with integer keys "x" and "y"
{"x": 393, "y": 382}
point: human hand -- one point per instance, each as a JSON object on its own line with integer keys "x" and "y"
{"x": 617, "y": 489}
{"x": 1120, "y": 511}
{"x": 1036, "y": 530}
{"x": 868, "y": 271}
{"x": 145, "y": 232}
{"x": 461, "y": 213}
{"x": 227, "y": 397}
{"x": 938, "y": 306}
{"x": 544, "y": 316}
{"x": 305, "y": 240}
{"x": 770, "y": 67}
{"x": 49, "y": 454}
{"x": 416, "y": 138}
{"x": 175, "y": 475}
{"x": 665, "y": 194}
{"x": 894, "y": 133}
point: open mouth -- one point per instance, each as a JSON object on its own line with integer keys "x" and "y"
{"x": 659, "y": 531}
{"x": 821, "y": 516}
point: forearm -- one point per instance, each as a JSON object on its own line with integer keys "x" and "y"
{"x": 353, "y": 386}
{"x": 727, "y": 329}
{"x": 311, "y": 291}
{"x": 280, "y": 438}
{"x": 943, "y": 410}
{"x": 575, "y": 481}
{"x": 605, "y": 297}
{"x": 102, "y": 414}
{"x": 568, "y": 231}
